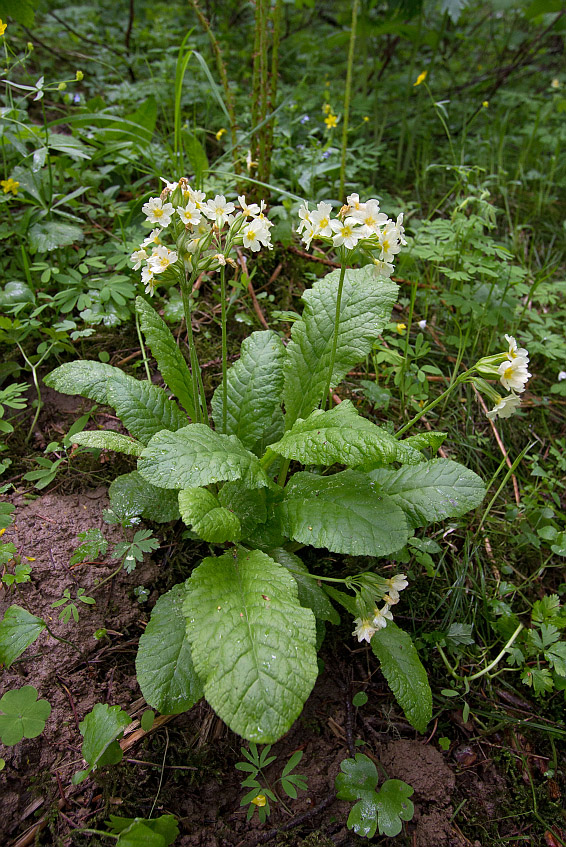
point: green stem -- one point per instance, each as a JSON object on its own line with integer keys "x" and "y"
{"x": 497, "y": 658}
{"x": 433, "y": 403}
{"x": 142, "y": 347}
{"x": 198, "y": 396}
{"x": 63, "y": 640}
{"x": 347, "y": 95}
{"x": 224, "y": 351}
{"x": 335, "y": 334}
{"x": 108, "y": 578}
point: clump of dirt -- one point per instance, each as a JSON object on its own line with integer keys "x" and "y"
{"x": 72, "y": 679}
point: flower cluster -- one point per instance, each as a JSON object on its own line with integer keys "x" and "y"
{"x": 367, "y": 626}
{"x": 511, "y": 367}
{"x": 358, "y": 225}
{"x": 204, "y": 231}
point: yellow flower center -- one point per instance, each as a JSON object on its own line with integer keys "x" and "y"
{"x": 158, "y": 212}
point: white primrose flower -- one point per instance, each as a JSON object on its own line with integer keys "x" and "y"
{"x": 390, "y": 242}
{"x": 370, "y": 217}
{"x": 348, "y": 233}
{"x": 196, "y": 197}
{"x": 250, "y": 210}
{"x": 398, "y": 582}
{"x": 308, "y": 235}
{"x": 152, "y": 239}
{"x": 514, "y": 351}
{"x": 190, "y": 215}
{"x": 305, "y": 216}
{"x": 137, "y": 258}
{"x": 384, "y": 269}
{"x": 219, "y": 210}
{"x": 170, "y": 186}
{"x": 158, "y": 212}
{"x": 161, "y": 258}
{"x": 364, "y": 630}
{"x": 148, "y": 280}
{"x": 320, "y": 219}
{"x": 506, "y": 407}
{"x": 380, "y": 617}
{"x": 255, "y": 235}
{"x": 513, "y": 374}
{"x": 354, "y": 204}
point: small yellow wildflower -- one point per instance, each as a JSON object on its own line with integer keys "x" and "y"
{"x": 326, "y": 108}
{"x": 79, "y": 76}
{"x": 260, "y": 800}
{"x": 2, "y": 531}
{"x": 220, "y": 133}
{"x": 366, "y": 119}
{"x": 331, "y": 120}
{"x": 420, "y": 78}
{"x": 2, "y": 27}
{"x": 400, "y": 328}
{"x": 10, "y": 185}
{"x": 485, "y": 104}
{"x": 555, "y": 83}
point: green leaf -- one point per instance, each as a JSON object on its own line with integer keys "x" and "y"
{"x": 394, "y": 806}
{"x": 403, "y": 670}
{"x": 170, "y": 361}
{"x": 386, "y": 808}
{"x": 164, "y": 666}
{"x": 18, "y": 629}
{"x": 311, "y": 594}
{"x": 23, "y": 715}
{"x": 426, "y": 440}
{"x": 144, "y": 408}
{"x": 131, "y": 495}
{"x": 133, "y": 551}
{"x": 366, "y": 305}
{"x": 253, "y": 644}
{"x": 200, "y": 509}
{"x": 89, "y": 379}
{"x": 431, "y": 491}
{"x": 101, "y": 730}
{"x": 22, "y": 11}
{"x": 141, "y": 832}
{"x": 50, "y": 235}
{"x": 195, "y": 456}
{"x": 255, "y": 382}
{"x": 344, "y": 512}
{"x": 556, "y": 657}
{"x": 93, "y": 545}
{"x": 107, "y": 440}
{"x": 248, "y": 504}
{"x": 341, "y": 435}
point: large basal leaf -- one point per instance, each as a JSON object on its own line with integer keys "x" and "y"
{"x": 344, "y": 512}
{"x": 18, "y": 629}
{"x": 311, "y": 594}
{"x": 89, "y": 379}
{"x": 108, "y": 440}
{"x": 201, "y": 510}
{"x": 164, "y": 666}
{"x": 248, "y": 504}
{"x": 366, "y": 305}
{"x": 195, "y": 456}
{"x": 405, "y": 674}
{"x": 255, "y": 382}
{"x": 341, "y": 435}
{"x": 143, "y": 408}
{"x": 49, "y": 235}
{"x": 132, "y": 495}
{"x": 253, "y": 644}
{"x": 432, "y": 491}
{"x": 170, "y": 361}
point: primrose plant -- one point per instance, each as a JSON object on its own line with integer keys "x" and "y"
{"x": 241, "y": 631}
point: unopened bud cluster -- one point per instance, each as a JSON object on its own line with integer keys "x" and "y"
{"x": 194, "y": 234}
{"x": 357, "y": 226}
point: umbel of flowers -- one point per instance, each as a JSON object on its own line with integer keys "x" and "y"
{"x": 357, "y": 226}
{"x": 198, "y": 232}
{"x": 193, "y": 235}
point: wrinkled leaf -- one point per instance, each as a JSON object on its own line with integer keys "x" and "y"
{"x": 403, "y": 670}
{"x": 200, "y": 509}
{"x": 18, "y": 629}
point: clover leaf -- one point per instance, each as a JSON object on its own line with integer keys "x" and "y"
{"x": 385, "y": 808}
{"x": 23, "y": 715}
